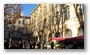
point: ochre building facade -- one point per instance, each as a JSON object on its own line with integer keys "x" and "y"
{"x": 56, "y": 21}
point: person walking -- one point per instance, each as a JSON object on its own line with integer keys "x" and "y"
{"x": 34, "y": 44}
{"x": 52, "y": 45}
{"x": 6, "y": 44}
{"x": 30, "y": 45}
{"x": 39, "y": 45}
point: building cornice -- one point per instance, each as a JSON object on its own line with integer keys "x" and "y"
{"x": 35, "y": 9}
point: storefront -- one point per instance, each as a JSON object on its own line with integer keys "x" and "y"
{"x": 79, "y": 40}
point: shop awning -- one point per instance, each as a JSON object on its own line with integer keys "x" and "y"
{"x": 76, "y": 38}
{"x": 73, "y": 38}
{"x": 56, "y": 38}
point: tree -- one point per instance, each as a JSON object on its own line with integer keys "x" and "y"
{"x": 7, "y": 10}
{"x": 12, "y": 11}
{"x": 79, "y": 14}
{"x": 18, "y": 11}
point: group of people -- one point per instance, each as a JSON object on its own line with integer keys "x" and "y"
{"x": 40, "y": 45}
{"x": 20, "y": 44}
{"x": 69, "y": 45}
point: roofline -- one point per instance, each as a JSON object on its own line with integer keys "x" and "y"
{"x": 35, "y": 8}
{"x": 26, "y": 17}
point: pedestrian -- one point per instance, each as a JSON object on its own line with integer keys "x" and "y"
{"x": 20, "y": 45}
{"x": 74, "y": 45}
{"x": 52, "y": 45}
{"x": 26, "y": 45}
{"x": 34, "y": 44}
{"x": 30, "y": 45}
{"x": 39, "y": 45}
{"x": 43, "y": 45}
{"x": 6, "y": 44}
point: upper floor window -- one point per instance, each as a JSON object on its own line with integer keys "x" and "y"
{"x": 61, "y": 8}
{"x": 44, "y": 23}
{"x": 57, "y": 17}
{"x": 40, "y": 13}
{"x": 50, "y": 6}
{"x": 24, "y": 22}
{"x": 56, "y": 14}
{"x": 81, "y": 8}
{"x": 34, "y": 17}
{"x": 45, "y": 10}
{"x": 40, "y": 25}
{"x": 67, "y": 13}
{"x": 50, "y": 20}
{"x": 19, "y": 22}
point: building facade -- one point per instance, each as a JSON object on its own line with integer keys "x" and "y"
{"x": 57, "y": 20}
{"x": 22, "y": 26}
{"x": 17, "y": 30}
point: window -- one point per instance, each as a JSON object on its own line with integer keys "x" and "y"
{"x": 67, "y": 13}
{"x": 34, "y": 17}
{"x": 81, "y": 8}
{"x": 45, "y": 10}
{"x": 24, "y": 22}
{"x": 50, "y": 35}
{"x": 50, "y": 6}
{"x": 44, "y": 23}
{"x": 68, "y": 33}
{"x": 40, "y": 25}
{"x": 50, "y": 20}
{"x": 19, "y": 22}
{"x": 57, "y": 34}
{"x": 24, "y": 30}
{"x": 57, "y": 19}
{"x": 40, "y": 13}
{"x": 61, "y": 34}
{"x": 61, "y": 7}
{"x": 80, "y": 32}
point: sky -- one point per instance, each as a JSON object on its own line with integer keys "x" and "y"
{"x": 28, "y": 8}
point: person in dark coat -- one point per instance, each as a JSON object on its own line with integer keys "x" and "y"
{"x": 39, "y": 45}
{"x": 52, "y": 45}
{"x": 74, "y": 45}
{"x": 30, "y": 45}
{"x": 21, "y": 45}
{"x": 34, "y": 44}
{"x": 6, "y": 45}
{"x": 14, "y": 45}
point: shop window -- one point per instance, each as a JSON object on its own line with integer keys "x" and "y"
{"x": 68, "y": 33}
{"x": 80, "y": 32}
{"x": 50, "y": 35}
{"x": 57, "y": 34}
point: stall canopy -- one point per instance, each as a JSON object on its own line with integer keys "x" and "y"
{"x": 76, "y": 38}
{"x": 73, "y": 38}
{"x": 56, "y": 38}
